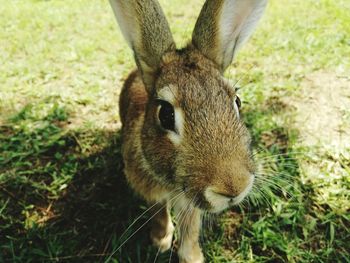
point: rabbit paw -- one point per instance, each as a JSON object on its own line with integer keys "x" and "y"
{"x": 163, "y": 242}
{"x": 191, "y": 256}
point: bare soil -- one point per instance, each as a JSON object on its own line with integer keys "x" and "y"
{"x": 323, "y": 110}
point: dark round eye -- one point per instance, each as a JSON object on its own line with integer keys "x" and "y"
{"x": 238, "y": 102}
{"x": 166, "y": 115}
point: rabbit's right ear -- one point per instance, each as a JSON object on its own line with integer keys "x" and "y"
{"x": 224, "y": 25}
{"x": 147, "y": 32}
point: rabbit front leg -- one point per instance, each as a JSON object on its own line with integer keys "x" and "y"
{"x": 162, "y": 228}
{"x": 189, "y": 222}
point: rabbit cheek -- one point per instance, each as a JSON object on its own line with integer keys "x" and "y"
{"x": 194, "y": 189}
{"x": 159, "y": 154}
{"x": 158, "y": 151}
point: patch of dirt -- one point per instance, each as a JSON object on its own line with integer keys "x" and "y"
{"x": 276, "y": 104}
{"x": 323, "y": 121}
{"x": 323, "y": 110}
{"x": 275, "y": 137}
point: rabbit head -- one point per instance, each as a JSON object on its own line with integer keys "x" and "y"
{"x": 192, "y": 137}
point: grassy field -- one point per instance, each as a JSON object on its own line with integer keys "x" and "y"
{"x": 63, "y": 197}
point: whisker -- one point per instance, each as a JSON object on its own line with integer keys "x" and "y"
{"x": 276, "y": 165}
{"x": 116, "y": 250}
{"x": 183, "y": 231}
{"x": 155, "y": 259}
{"x": 262, "y": 196}
{"x": 279, "y": 182}
{"x": 291, "y": 155}
{"x": 171, "y": 252}
{"x": 245, "y": 74}
{"x": 142, "y": 214}
{"x": 266, "y": 184}
{"x": 177, "y": 219}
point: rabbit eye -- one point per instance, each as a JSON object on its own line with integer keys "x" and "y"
{"x": 166, "y": 115}
{"x": 237, "y": 105}
{"x": 238, "y": 102}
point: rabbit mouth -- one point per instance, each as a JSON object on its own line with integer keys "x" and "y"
{"x": 213, "y": 200}
{"x": 220, "y": 201}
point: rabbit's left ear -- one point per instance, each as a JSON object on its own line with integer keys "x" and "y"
{"x": 224, "y": 25}
{"x": 146, "y": 31}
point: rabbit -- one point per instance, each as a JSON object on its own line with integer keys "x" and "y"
{"x": 184, "y": 145}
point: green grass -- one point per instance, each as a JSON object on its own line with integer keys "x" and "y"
{"x": 63, "y": 196}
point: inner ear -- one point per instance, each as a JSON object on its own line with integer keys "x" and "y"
{"x": 223, "y": 26}
{"x": 147, "y": 32}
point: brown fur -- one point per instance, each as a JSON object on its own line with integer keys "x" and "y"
{"x": 211, "y": 150}
{"x": 205, "y": 34}
{"x": 215, "y": 143}
{"x": 145, "y": 27}
{"x": 216, "y": 140}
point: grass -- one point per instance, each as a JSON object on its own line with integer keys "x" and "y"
{"x": 63, "y": 196}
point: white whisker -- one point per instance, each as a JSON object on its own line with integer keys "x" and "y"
{"x": 155, "y": 259}
{"x": 157, "y": 212}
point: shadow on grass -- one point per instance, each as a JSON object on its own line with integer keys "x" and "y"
{"x": 63, "y": 194}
